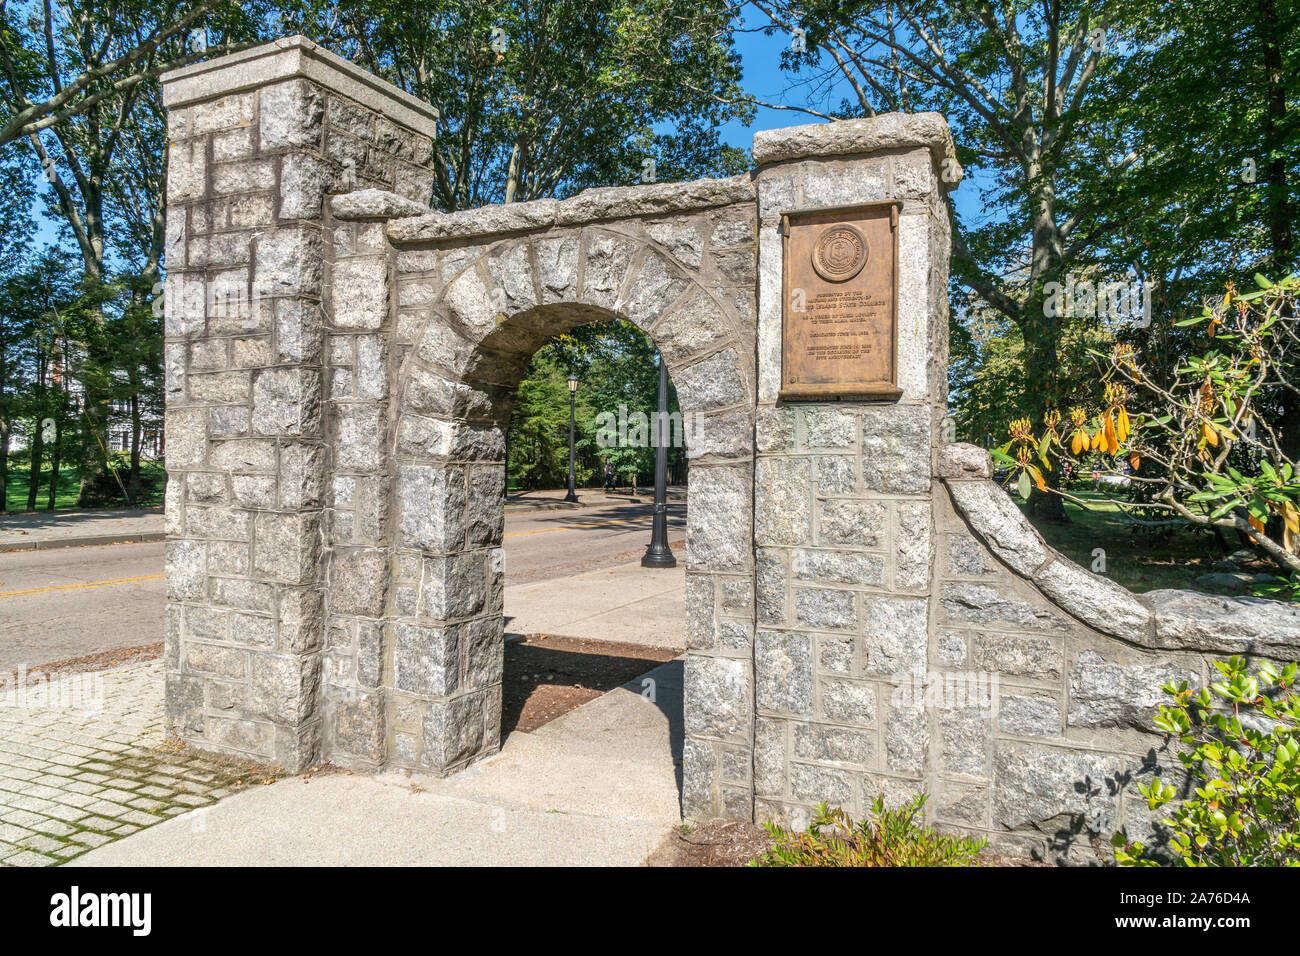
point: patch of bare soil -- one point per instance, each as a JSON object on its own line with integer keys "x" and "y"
{"x": 90, "y": 662}
{"x": 546, "y": 675}
{"x": 716, "y": 843}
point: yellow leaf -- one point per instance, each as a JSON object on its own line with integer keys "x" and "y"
{"x": 1097, "y": 440}
{"x": 1112, "y": 443}
{"x": 1291, "y": 516}
{"x": 1135, "y": 461}
{"x": 1077, "y": 441}
{"x": 1210, "y": 435}
{"x": 1122, "y": 428}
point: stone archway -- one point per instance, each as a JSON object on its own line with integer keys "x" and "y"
{"x": 452, "y": 398}
{"x": 339, "y": 362}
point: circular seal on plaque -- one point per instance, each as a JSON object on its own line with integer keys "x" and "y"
{"x": 839, "y": 253}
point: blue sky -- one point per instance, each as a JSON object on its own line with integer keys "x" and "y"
{"x": 763, "y": 78}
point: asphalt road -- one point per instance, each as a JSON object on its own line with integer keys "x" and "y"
{"x": 551, "y": 544}
{"x": 72, "y": 602}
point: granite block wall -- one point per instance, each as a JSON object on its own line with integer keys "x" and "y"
{"x": 867, "y": 613}
{"x": 257, "y": 141}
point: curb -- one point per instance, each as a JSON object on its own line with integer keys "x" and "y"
{"x": 524, "y": 507}
{"x": 48, "y": 544}
{"x": 553, "y": 506}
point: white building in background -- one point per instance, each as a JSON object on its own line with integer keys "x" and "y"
{"x": 118, "y": 437}
{"x": 119, "y": 431}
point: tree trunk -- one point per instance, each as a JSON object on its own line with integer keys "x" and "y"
{"x": 1274, "y": 120}
{"x": 1278, "y": 211}
{"x": 133, "y": 478}
{"x": 1040, "y": 328}
{"x": 52, "y": 500}
{"x": 513, "y": 172}
{"x": 4, "y": 467}
{"x": 95, "y": 413}
{"x": 1047, "y": 506}
{"x": 34, "y": 473}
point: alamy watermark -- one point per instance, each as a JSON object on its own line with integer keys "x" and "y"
{"x": 639, "y": 430}
{"x": 80, "y": 693}
{"x": 1117, "y": 301}
{"x": 948, "y": 690}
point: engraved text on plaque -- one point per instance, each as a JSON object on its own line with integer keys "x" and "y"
{"x": 840, "y": 304}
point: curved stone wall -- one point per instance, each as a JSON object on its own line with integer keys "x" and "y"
{"x": 1080, "y": 662}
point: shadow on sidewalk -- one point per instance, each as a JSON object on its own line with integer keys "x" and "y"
{"x": 547, "y": 676}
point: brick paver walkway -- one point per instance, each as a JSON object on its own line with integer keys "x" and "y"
{"x": 76, "y": 777}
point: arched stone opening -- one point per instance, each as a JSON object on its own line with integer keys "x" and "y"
{"x": 452, "y": 398}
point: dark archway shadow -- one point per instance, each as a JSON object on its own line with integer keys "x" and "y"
{"x": 670, "y": 683}
{"x": 545, "y": 678}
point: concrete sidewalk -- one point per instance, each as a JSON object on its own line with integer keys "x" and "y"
{"x": 596, "y": 787}
{"x": 29, "y": 530}
{"x": 629, "y": 603}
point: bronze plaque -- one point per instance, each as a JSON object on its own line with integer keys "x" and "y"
{"x": 840, "y": 293}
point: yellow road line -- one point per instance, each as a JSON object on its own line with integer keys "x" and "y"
{"x": 77, "y": 587}
{"x": 155, "y": 577}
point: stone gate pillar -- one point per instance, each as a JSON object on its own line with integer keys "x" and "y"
{"x": 257, "y": 141}
{"x": 842, "y": 509}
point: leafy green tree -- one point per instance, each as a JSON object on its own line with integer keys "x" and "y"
{"x": 16, "y": 226}
{"x": 36, "y": 300}
{"x": 539, "y": 425}
{"x": 617, "y": 380}
{"x": 1145, "y": 142}
{"x": 618, "y": 374}
{"x": 1022, "y": 84}
{"x": 986, "y": 370}
{"x": 129, "y": 45}
{"x": 546, "y": 98}
{"x": 15, "y": 342}
{"x": 1213, "y": 197}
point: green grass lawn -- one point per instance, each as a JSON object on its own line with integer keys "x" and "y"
{"x": 1140, "y": 558}
{"x": 69, "y": 483}
{"x": 18, "y": 484}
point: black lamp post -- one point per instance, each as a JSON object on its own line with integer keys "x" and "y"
{"x": 659, "y": 555}
{"x": 573, "y": 391}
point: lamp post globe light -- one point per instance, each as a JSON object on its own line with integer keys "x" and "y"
{"x": 573, "y": 391}
{"x": 658, "y": 554}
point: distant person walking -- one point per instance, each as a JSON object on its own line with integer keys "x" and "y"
{"x": 609, "y": 476}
